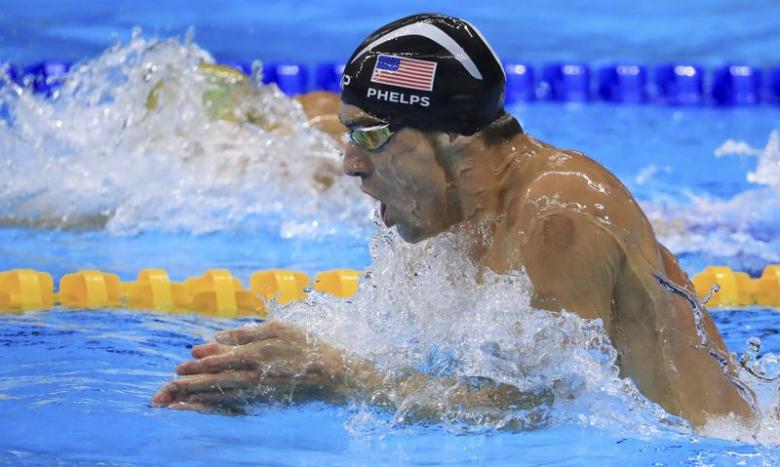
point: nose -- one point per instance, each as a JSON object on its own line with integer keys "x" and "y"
{"x": 356, "y": 162}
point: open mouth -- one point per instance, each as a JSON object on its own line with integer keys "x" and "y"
{"x": 382, "y": 207}
{"x": 382, "y": 212}
{"x": 385, "y": 217}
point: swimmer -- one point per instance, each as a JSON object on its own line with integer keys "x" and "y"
{"x": 322, "y": 108}
{"x": 422, "y": 99}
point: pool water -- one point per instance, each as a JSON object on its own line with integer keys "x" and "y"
{"x": 91, "y": 180}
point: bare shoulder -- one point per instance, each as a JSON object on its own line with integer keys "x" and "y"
{"x": 569, "y": 182}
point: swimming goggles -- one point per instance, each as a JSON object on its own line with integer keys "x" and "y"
{"x": 371, "y": 138}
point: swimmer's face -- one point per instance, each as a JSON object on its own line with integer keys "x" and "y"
{"x": 405, "y": 176}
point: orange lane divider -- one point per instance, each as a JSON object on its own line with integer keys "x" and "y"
{"x": 738, "y": 288}
{"x": 216, "y": 293}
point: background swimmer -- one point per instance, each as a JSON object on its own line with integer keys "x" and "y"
{"x": 463, "y": 164}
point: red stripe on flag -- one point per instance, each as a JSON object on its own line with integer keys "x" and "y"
{"x": 416, "y": 62}
{"x": 407, "y": 78}
{"x": 416, "y": 74}
{"x": 401, "y": 81}
{"x": 397, "y": 80}
{"x": 416, "y": 65}
{"x": 403, "y": 84}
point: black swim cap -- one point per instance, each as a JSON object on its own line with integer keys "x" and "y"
{"x": 431, "y": 72}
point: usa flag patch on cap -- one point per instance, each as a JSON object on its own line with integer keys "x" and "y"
{"x": 404, "y": 72}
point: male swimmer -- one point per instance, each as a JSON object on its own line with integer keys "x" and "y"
{"x": 422, "y": 99}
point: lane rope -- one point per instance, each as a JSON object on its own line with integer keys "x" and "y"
{"x": 218, "y": 293}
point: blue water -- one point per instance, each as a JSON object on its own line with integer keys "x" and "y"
{"x": 75, "y": 385}
{"x": 78, "y": 389}
{"x": 593, "y": 30}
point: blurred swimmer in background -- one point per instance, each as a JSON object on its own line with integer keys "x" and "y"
{"x": 422, "y": 103}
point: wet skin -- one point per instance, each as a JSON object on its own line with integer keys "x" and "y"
{"x": 575, "y": 229}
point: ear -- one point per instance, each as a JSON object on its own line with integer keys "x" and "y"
{"x": 447, "y": 147}
{"x": 446, "y": 141}
{"x": 456, "y": 142}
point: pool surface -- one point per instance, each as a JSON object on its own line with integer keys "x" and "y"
{"x": 92, "y": 180}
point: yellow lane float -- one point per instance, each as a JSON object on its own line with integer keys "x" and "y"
{"x": 282, "y": 285}
{"x": 738, "y": 288}
{"x": 89, "y": 288}
{"x": 154, "y": 291}
{"x": 218, "y": 293}
{"x": 25, "y": 289}
{"x": 339, "y": 282}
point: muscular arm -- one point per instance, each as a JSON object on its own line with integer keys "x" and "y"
{"x": 596, "y": 269}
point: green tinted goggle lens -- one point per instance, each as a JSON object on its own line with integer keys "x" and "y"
{"x": 371, "y": 138}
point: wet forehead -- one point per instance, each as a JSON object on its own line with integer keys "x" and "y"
{"x": 354, "y": 117}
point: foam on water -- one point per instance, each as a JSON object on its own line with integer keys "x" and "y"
{"x": 768, "y": 168}
{"x": 744, "y": 225}
{"x": 94, "y": 155}
{"x": 427, "y": 306}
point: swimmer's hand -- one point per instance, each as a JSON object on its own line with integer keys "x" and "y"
{"x": 276, "y": 362}
{"x": 272, "y": 362}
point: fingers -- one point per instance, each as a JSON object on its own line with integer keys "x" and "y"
{"x": 249, "y": 334}
{"x": 212, "y": 348}
{"x": 219, "y": 386}
{"x": 225, "y": 398}
{"x": 227, "y": 409}
{"x": 194, "y": 406}
{"x": 230, "y": 402}
{"x": 247, "y": 357}
{"x": 215, "y": 364}
{"x": 180, "y": 390}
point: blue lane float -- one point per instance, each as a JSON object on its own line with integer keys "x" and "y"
{"x": 565, "y": 82}
{"x": 680, "y": 84}
{"x": 623, "y": 83}
{"x": 520, "y": 84}
{"x": 674, "y": 84}
{"x": 327, "y": 76}
{"x": 773, "y": 85}
{"x": 291, "y": 78}
{"x": 736, "y": 85}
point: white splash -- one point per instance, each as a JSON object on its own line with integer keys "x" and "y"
{"x": 429, "y": 306}
{"x": 764, "y": 379}
{"x": 727, "y": 227}
{"x": 647, "y": 173}
{"x": 768, "y": 168}
{"x": 96, "y": 156}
